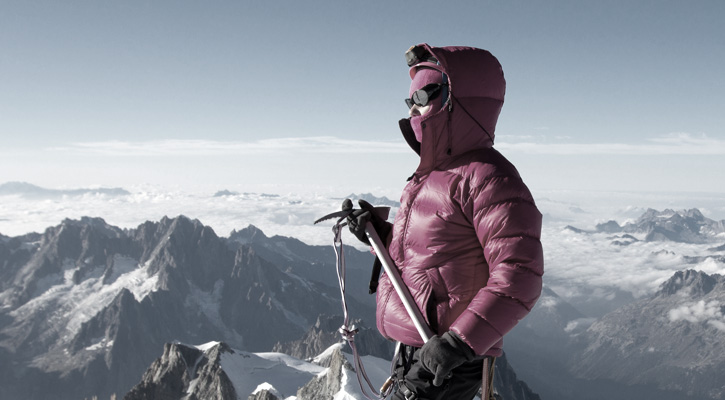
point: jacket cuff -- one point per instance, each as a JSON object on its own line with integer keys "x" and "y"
{"x": 485, "y": 338}
{"x": 456, "y": 341}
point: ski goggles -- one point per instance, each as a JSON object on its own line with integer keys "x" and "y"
{"x": 424, "y": 95}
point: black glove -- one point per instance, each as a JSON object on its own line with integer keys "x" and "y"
{"x": 358, "y": 219}
{"x": 441, "y": 354}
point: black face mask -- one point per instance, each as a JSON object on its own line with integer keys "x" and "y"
{"x": 423, "y": 96}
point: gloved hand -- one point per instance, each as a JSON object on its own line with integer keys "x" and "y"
{"x": 358, "y": 219}
{"x": 441, "y": 354}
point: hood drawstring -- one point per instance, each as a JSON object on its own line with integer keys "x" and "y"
{"x": 450, "y": 134}
{"x": 474, "y": 120}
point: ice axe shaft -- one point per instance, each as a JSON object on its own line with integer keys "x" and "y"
{"x": 397, "y": 281}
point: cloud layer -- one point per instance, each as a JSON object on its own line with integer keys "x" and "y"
{"x": 673, "y": 144}
{"x": 320, "y": 144}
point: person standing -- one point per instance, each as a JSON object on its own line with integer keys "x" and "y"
{"x": 466, "y": 239}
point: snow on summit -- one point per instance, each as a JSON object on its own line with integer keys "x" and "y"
{"x": 77, "y": 303}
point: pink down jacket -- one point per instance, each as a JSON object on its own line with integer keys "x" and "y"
{"x": 466, "y": 238}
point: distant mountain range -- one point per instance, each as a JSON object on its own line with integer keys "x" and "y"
{"x": 370, "y": 198}
{"x": 225, "y": 192}
{"x": 667, "y": 346}
{"x": 664, "y": 346}
{"x": 684, "y": 226}
{"x": 656, "y": 341}
{"x": 86, "y": 308}
{"x": 32, "y": 191}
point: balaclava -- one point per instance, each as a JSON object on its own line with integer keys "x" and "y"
{"x": 423, "y": 77}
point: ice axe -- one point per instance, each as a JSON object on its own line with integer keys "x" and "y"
{"x": 397, "y": 281}
{"x": 400, "y": 288}
{"x": 389, "y": 266}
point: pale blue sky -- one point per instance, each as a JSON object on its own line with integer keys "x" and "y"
{"x": 610, "y": 95}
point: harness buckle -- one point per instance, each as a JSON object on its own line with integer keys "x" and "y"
{"x": 407, "y": 393}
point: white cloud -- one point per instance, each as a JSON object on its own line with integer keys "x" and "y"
{"x": 710, "y": 312}
{"x": 579, "y": 324}
{"x": 177, "y": 147}
{"x": 717, "y": 324}
{"x": 673, "y": 144}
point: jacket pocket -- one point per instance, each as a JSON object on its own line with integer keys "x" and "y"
{"x": 431, "y": 299}
{"x": 431, "y": 311}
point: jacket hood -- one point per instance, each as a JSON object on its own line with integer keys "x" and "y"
{"x": 468, "y": 122}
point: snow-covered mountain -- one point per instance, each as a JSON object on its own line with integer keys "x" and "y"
{"x": 76, "y": 300}
{"x": 86, "y": 307}
{"x": 670, "y": 341}
{"x": 372, "y": 199}
{"x": 634, "y": 320}
{"x": 216, "y": 371}
{"x": 684, "y": 226}
{"x": 665, "y": 346}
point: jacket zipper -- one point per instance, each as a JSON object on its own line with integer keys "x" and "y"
{"x": 417, "y": 184}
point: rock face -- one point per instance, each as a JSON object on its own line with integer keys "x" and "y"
{"x": 671, "y": 341}
{"x": 263, "y": 395}
{"x": 326, "y": 386}
{"x": 324, "y": 333}
{"x": 667, "y": 346}
{"x": 506, "y": 383}
{"x": 185, "y": 371}
{"x": 86, "y": 307}
{"x": 507, "y": 386}
{"x": 209, "y": 372}
{"x": 215, "y": 371}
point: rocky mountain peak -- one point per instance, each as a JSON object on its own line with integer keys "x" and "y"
{"x": 80, "y": 240}
{"x": 609, "y": 227}
{"x": 696, "y": 283}
{"x": 263, "y": 395}
{"x": 674, "y": 333}
{"x": 684, "y": 226}
{"x": 327, "y": 385}
{"x": 374, "y": 200}
{"x": 325, "y": 333}
{"x": 250, "y": 234}
{"x": 94, "y": 332}
{"x": 185, "y": 372}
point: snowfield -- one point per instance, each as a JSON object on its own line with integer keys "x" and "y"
{"x": 283, "y": 375}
